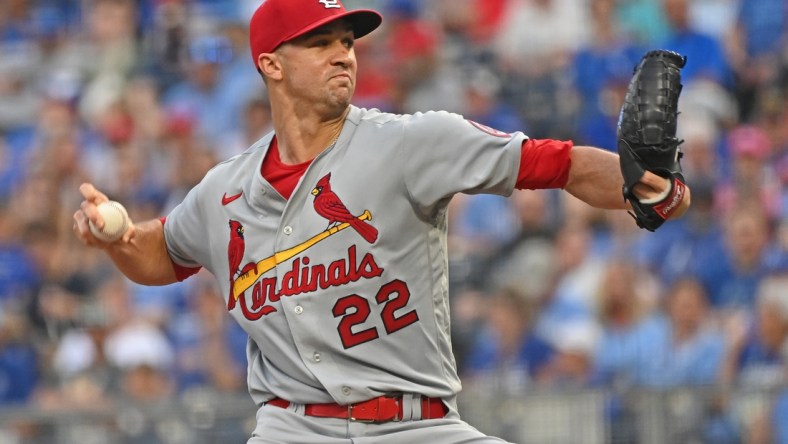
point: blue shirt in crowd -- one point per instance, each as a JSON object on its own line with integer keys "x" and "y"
{"x": 764, "y": 23}
{"x": 780, "y": 419}
{"x": 646, "y": 355}
{"x": 486, "y": 354}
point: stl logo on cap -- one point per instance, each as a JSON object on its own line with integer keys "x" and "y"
{"x": 331, "y": 3}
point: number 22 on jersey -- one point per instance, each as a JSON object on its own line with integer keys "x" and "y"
{"x": 355, "y": 310}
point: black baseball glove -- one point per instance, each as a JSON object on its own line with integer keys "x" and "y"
{"x": 647, "y": 135}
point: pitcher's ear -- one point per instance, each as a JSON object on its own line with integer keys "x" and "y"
{"x": 270, "y": 66}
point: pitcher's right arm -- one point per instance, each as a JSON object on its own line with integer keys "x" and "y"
{"x": 141, "y": 254}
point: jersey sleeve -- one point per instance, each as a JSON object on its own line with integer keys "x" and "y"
{"x": 181, "y": 272}
{"x": 445, "y": 154}
{"x": 184, "y": 232}
{"x": 544, "y": 163}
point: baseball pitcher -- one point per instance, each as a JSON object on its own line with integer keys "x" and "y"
{"x": 328, "y": 236}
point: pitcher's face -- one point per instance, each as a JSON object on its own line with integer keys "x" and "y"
{"x": 320, "y": 66}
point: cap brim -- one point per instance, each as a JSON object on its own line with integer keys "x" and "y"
{"x": 363, "y": 21}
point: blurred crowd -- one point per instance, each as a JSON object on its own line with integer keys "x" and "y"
{"x": 142, "y": 97}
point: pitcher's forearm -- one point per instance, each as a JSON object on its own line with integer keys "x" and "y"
{"x": 595, "y": 178}
{"x": 144, "y": 258}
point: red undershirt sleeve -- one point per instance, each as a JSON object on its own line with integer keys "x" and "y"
{"x": 544, "y": 163}
{"x": 181, "y": 272}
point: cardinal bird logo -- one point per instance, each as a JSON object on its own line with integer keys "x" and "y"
{"x": 235, "y": 254}
{"x": 330, "y": 206}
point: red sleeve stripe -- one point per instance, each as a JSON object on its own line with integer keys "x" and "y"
{"x": 181, "y": 272}
{"x": 544, "y": 163}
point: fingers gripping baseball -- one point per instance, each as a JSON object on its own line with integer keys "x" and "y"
{"x": 100, "y": 222}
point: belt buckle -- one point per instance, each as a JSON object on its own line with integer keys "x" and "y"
{"x": 378, "y": 410}
{"x": 353, "y": 418}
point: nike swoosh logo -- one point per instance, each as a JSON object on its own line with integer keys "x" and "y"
{"x": 227, "y": 199}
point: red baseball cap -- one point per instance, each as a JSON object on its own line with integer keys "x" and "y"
{"x": 277, "y": 21}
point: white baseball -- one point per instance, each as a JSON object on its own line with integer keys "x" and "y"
{"x": 116, "y": 222}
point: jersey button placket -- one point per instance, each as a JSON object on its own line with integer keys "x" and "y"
{"x": 288, "y": 230}
{"x": 298, "y": 309}
{"x": 316, "y": 357}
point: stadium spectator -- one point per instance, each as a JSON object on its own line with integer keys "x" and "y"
{"x": 643, "y": 21}
{"x": 702, "y": 145}
{"x": 534, "y": 60}
{"x": 507, "y": 353}
{"x": 204, "y": 97}
{"x": 544, "y": 50}
{"x": 578, "y": 275}
{"x": 375, "y": 84}
{"x": 715, "y": 18}
{"x": 709, "y": 62}
{"x": 422, "y": 79}
{"x": 103, "y": 55}
{"x": 487, "y": 18}
{"x": 19, "y": 273}
{"x": 758, "y": 345}
{"x": 19, "y": 360}
{"x": 755, "y": 48}
{"x": 688, "y": 247}
{"x": 483, "y": 105}
{"x": 752, "y": 176}
{"x": 255, "y": 123}
{"x": 769, "y": 425}
{"x": 571, "y": 367}
{"x": 164, "y": 45}
{"x": 209, "y": 350}
{"x": 748, "y": 255}
{"x": 779, "y": 419}
{"x": 532, "y": 249}
{"x": 688, "y": 349}
{"x": 485, "y": 223}
{"x": 627, "y": 327}
{"x": 600, "y": 74}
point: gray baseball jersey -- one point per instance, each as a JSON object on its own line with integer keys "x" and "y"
{"x": 343, "y": 287}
